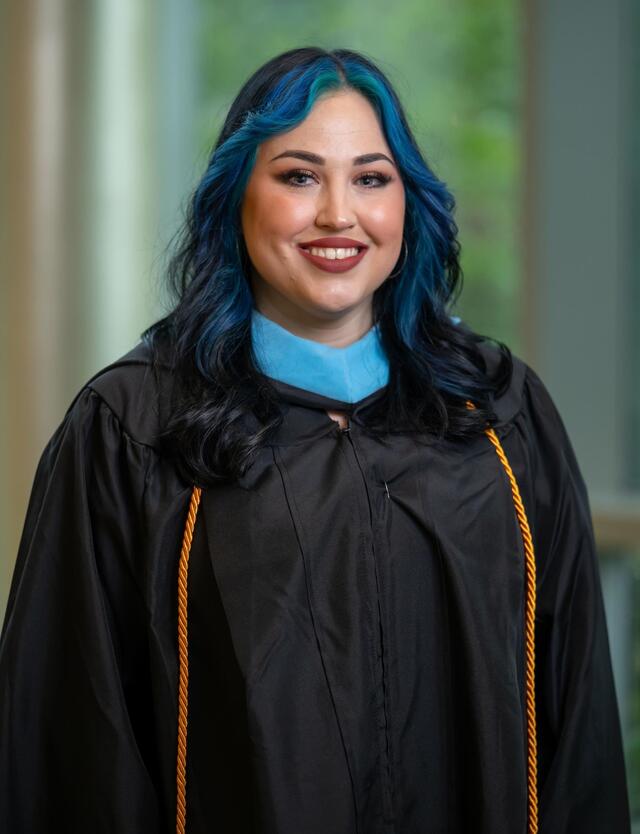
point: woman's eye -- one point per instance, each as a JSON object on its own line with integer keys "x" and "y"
{"x": 382, "y": 179}
{"x": 290, "y": 177}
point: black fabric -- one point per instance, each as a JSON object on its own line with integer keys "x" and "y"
{"x": 356, "y": 615}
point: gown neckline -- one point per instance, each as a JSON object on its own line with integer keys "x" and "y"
{"x": 308, "y": 372}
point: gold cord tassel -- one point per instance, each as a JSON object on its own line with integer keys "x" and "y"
{"x": 530, "y": 611}
{"x": 183, "y": 663}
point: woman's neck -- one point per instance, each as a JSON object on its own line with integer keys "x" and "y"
{"x": 336, "y": 332}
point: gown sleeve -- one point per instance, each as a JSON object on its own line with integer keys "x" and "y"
{"x": 581, "y": 771}
{"x": 73, "y": 749}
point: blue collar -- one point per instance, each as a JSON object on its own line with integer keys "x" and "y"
{"x": 347, "y": 374}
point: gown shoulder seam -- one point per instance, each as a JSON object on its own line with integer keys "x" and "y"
{"x": 125, "y": 433}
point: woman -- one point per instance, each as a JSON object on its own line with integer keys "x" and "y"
{"x": 313, "y": 556}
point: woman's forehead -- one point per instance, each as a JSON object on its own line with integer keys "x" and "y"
{"x": 337, "y": 132}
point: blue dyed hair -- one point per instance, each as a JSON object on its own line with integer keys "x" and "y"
{"x": 435, "y": 365}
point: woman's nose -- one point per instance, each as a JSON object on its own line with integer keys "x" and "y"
{"x": 334, "y": 209}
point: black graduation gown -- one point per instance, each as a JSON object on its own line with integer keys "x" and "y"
{"x": 356, "y": 650}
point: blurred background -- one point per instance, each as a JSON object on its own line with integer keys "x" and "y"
{"x": 528, "y": 109}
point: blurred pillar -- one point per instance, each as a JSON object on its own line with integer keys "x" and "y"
{"x": 578, "y": 313}
{"x": 37, "y": 324}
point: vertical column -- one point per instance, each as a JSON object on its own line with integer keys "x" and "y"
{"x": 33, "y": 100}
{"x": 121, "y": 174}
{"x": 579, "y": 314}
{"x": 578, "y": 236}
{"x": 633, "y": 223}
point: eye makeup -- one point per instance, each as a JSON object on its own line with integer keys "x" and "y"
{"x": 286, "y": 177}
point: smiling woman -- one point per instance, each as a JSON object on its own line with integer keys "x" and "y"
{"x": 359, "y": 208}
{"x": 313, "y": 556}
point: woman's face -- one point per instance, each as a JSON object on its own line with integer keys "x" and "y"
{"x": 307, "y": 185}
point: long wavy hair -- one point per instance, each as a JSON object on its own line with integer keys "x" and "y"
{"x": 435, "y": 364}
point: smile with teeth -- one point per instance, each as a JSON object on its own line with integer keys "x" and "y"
{"x": 332, "y": 254}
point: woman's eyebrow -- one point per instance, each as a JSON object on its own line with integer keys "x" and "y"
{"x": 307, "y": 156}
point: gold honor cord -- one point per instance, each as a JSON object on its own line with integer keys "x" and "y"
{"x": 530, "y": 608}
{"x": 529, "y": 630}
{"x": 183, "y": 663}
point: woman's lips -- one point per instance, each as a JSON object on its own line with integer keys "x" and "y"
{"x": 335, "y": 265}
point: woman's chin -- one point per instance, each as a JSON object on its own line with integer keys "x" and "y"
{"x": 336, "y": 303}
{"x": 332, "y": 310}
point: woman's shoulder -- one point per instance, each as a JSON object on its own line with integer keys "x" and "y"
{"x": 133, "y": 389}
{"x": 525, "y": 397}
{"x": 509, "y": 401}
